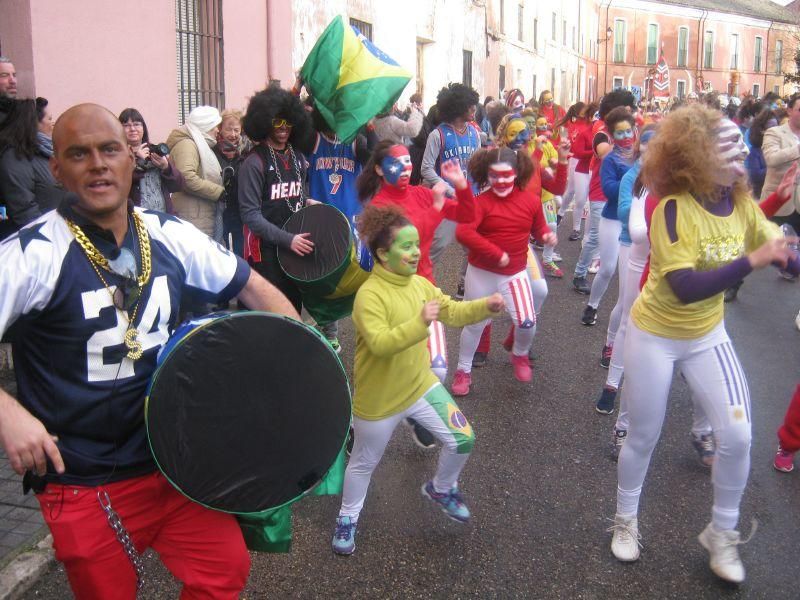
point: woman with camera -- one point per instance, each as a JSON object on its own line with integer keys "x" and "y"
{"x": 155, "y": 176}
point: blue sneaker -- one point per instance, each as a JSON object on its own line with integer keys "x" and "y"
{"x": 344, "y": 538}
{"x": 451, "y": 503}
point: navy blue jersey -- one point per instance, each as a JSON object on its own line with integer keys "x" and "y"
{"x": 332, "y": 172}
{"x": 67, "y": 336}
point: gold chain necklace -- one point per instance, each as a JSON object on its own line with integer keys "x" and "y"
{"x": 96, "y": 258}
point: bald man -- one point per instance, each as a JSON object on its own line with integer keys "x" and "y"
{"x": 89, "y": 293}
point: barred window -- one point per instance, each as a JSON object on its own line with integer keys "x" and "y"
{"x": 198, "y": 30}
{"x": 364, "y": 27}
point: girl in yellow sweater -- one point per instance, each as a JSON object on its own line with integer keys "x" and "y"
{"x": 393, "y": 380}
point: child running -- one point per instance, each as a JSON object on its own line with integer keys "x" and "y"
{"x": 392, "y": 312}
{"x": 506, "y": 215}
{"x": 386, "y": 179}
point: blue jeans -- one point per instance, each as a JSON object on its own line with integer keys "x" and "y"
{"x": 592, "y": 243}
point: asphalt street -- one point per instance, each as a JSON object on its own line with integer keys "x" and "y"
{"x": 541, "y": 485}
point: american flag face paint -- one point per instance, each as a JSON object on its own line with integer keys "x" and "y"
{"x": 732, "y": 152}
{"x": 396, "y": 166}
{"x": 501, "y": 178}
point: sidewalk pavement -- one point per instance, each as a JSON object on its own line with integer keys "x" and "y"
{"x": 25, "y": 551}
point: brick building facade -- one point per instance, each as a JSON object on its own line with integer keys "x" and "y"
{"x": 733, "y": 47}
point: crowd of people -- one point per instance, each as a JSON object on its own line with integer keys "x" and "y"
{"x": 681, "y": 201}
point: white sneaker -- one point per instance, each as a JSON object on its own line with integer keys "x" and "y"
{"x": 723, "y": 554}
{"x": 625, "y": 543}
{"x": 557, "y": 257}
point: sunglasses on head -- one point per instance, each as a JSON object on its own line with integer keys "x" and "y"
{"x": 279, "y": 123}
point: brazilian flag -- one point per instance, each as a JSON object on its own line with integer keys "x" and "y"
{"x": 350, "y": 79}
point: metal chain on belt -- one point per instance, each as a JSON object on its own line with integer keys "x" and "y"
{"x": 123, "y": 537}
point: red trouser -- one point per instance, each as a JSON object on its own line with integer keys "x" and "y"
{"x": 202, "y": 548}
{"x": 789, "y": 432}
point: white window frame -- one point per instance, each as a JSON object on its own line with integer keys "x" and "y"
{"x": 647, "y": 44}
{"x": 757, "y": 66}
{"x": 614, "y": 81}
{"x": 731, "y": 46}
{"x": 678, "y": 56}
{"x": 624, "y": 44}
{"x": 678, "y": 87}
{"x": 713, "y": 47}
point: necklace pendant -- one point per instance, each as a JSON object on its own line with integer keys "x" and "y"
{"x": 335, "y": 178}
{"x": 133, "y": 345}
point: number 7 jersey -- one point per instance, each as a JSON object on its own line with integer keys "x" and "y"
{"x": 68, "y": 338}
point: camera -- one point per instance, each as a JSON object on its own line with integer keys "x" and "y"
{"x": 159, "y": 149}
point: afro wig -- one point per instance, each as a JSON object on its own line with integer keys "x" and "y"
{"x": 455, "y": 101}
{"x": 612, "y": 100}
{"x": 274, "y": 102}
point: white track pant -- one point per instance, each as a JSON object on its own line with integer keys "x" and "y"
{"x": 516, "y": 291}
{"x": 437, "y": 412}
{"x": 713, "y": 372}
{"x": 608, "y": 243}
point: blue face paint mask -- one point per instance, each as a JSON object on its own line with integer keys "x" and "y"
{"x": 523, "y": 137}
{"x": 396, "y": 167}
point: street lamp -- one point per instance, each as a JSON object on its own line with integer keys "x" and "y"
{"x": 609, "y": 34}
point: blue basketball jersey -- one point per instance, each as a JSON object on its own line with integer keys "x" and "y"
{"x": 332, "y": 172}
{"x": 460, "y": 146}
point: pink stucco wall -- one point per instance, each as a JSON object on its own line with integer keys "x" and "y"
{"x": 99, "y": 51}
{"x": 15, "y": 42}
{"x": 244, "y": 31}
{"x": 118, "y": 55}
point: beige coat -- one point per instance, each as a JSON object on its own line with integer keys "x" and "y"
{"x": 781, "y": 148}
{"x": 197, "y": 203}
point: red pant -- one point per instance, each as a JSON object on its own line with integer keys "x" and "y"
{"x": 789, "y": 432}
{"x": 204, "y": 549}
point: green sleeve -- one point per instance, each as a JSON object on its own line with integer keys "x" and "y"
{"x": 372, "y": 323}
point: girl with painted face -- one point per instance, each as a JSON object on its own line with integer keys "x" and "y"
{"x": 515, "y": 102}
{"x": 543, "y": 183}
{"x": 385, "y": 180}
{"x": 391, "y": 314}
{"x": 506, "y": 215}
{"x": 705, "y": 234}
{"x": 620, "y": 124}
{"x": 548, "y": 160}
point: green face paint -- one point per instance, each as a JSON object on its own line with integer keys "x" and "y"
{"x": 402, "y": 257}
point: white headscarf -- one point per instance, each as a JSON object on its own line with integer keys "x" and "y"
{"x": 201, "y": 120}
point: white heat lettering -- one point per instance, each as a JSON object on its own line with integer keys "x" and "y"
{"x": 287, "y": 189}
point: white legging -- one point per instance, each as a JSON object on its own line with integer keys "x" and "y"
{"x": 580, "y": 186}
{"x": 569, "y": 193}
{"x": 537, "y": 281}
{"x": 516, "y": 291}
{"x": 437, "y": 349}
{"x": 608, "y": 241}
{"x": 437, "y": 412}
{"x": 712, "y": 370}
{"x": 615, "y": 319}
{"x": 630, "y": 272}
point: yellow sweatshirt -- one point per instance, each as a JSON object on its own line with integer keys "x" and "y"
{"x": 392, "y": 368}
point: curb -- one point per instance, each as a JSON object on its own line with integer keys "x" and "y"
{"x": 20, "y": 574}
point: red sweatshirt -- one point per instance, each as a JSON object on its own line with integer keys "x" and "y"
{"x": 501, "y": 225}
{"x": 595, "y": 187}
{"x": 582, "y": 149}
{"x": 417, "y": 203}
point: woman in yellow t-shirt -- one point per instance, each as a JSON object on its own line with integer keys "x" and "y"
{"x": 706, "y": 234}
